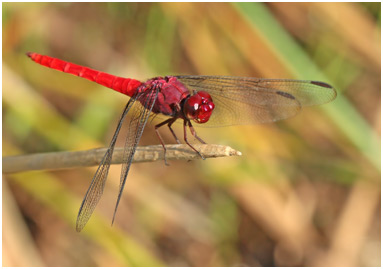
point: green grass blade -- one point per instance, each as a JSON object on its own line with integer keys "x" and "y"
{"x": 341, "y": 111}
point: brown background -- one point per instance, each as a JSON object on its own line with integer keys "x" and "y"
{"x": 306, "y": 191}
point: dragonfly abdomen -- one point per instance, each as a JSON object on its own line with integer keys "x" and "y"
{"x": 123, "y": 85}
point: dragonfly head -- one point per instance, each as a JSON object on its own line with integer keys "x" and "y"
{"x": 198, "y": 107}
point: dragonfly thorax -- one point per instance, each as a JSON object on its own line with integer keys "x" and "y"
{"x": 198, "y": 107}
{"x": 174, "y": 99}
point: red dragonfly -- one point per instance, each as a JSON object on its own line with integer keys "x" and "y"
{"x": 207, "y": 100}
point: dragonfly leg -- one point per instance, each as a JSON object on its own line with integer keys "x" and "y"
{"x": 169, "y": 122}
{"x": 194, "y": 133}
{"x": 186, "y": 139}
{"x": 178, "y": 109}
{"x": 173, "y": 133}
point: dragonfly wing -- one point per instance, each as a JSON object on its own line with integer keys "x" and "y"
{"x": 140, "y": 116}
{"x": 97, "y": 185}
{"x": 241, "y": 100}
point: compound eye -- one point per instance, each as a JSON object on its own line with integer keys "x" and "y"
{"x": 205, "y": 112}
{"x": 204, "y": 95}
{"x": 192, "y": 106}
{"x": 199, "y": 107}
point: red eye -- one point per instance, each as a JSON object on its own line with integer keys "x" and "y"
{"x": 204, "y": 95}
{"x": 199, "y": 107}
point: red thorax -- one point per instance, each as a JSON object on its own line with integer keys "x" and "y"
{"x": 174, "y": 99}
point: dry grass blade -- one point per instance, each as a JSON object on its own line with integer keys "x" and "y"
{"x": 60, "y": 160}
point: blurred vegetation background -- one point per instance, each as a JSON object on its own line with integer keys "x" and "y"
{"x": 306, "y": 191}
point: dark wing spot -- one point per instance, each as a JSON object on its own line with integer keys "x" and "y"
{"x": 321, "y": 84}
{"x": 285, "y": 94}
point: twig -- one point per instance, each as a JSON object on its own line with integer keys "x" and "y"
{"x": 66, "y": 159}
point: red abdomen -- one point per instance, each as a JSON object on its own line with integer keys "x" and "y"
{"x": 123, "y": 85}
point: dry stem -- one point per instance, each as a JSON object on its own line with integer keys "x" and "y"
{"x": 60, "y": 160}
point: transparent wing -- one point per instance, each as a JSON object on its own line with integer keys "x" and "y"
{"x": 140, "y": 116}
{"x": 241, "y": 100}
{"x": 97, "y": 185}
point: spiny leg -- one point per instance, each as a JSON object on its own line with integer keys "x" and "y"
{"x": 173, "y": 133}
{"x": 186, "y": 139}
{"x": 194, "y": 133}
{"x": 169, "y": 122}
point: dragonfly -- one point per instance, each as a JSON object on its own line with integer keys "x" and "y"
{"x": 211, "y": 101}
